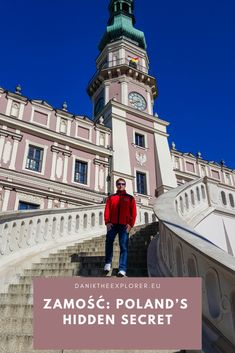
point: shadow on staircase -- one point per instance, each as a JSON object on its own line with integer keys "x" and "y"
{"x": 81, "y": 259}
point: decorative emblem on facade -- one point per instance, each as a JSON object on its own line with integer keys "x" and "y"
{"x": 141, "y": 158}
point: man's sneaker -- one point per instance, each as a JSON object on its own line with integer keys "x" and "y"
{"x": 121, "y": 274}
{"x": 107, "y": 268}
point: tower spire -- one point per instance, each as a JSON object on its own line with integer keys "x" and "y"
{"x": 121, "y": 24}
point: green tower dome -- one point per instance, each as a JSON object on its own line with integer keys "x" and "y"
{"x": 121, "y": 24}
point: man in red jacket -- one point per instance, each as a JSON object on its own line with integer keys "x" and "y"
{"x": 119, "y": 216}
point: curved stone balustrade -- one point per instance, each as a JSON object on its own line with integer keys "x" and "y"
{"x": 25, "y": 236}
{"x": 180, "y": 251}
{"x": 26, "y": 229}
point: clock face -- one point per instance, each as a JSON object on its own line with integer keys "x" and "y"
{"x": 99, "y": 106}
{"x": 137, "y": 101}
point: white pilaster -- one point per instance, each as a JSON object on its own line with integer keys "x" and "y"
{"x": 5, "y": 199}
{"x": 65, "y": 172}
{"x": 2, "y": 141}
{"x": 21, "y": 111}
{"x": 122, "y": 55}
{"x": 149, "y": 103}
{"x": 50, "y": 203}
{"x": 53, "y": 166}
{"x": 14, "y": 154}
{"x": 106, "y": 92}
{"x": 69, "y": 128}
{"x": 124, "y": 92}
{"x": 97, "y": 137}
{"x": 166, "y": 178}
{"x": 97, "y": 175}
{"x": 105, "y": 180}
{"x": 110, "y": 59}
{"x": 9, "y": 104}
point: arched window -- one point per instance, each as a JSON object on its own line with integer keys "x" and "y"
{"x": 224, "y": 200}
{"x": 125, "y": 7}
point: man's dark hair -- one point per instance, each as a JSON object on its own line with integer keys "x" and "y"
{"x": 120, "y": 179}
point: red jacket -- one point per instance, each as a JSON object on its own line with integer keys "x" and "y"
{"x": 120, "y": 208}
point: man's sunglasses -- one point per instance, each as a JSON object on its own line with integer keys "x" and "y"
{"x": 118, "y": 184}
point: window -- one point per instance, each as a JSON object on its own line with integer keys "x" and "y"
{"x": 141, "y": 183}
{"x": 190, "y": 167}
{"x": 34, "y": 158}
{"x": 27, "y": 206}
{"x": 215, "y": 174}
{"x": 139, "y": 140}
{"x": 80, "y": 175}
{"x": 125, "y": 7}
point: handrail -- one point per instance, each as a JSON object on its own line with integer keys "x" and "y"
{"x": 181, "y": 251}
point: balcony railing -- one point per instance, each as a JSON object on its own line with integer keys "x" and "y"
{"x": 120, "y": 62}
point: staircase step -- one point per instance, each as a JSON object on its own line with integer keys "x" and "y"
{"x": 16, "y": 326}
{"x": 16, "y": 298}
{"x": 48, "y": 272}
{"x": 20, "y": 288}
{"x": 55, "y": 265}
{"x": 80, "y": 259}
{"x": 16, "y": 310}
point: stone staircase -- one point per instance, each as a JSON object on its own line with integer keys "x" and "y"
{"x": 80, "y": 259}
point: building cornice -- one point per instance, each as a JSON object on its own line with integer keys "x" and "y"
{"x": 61, "y": 150}
{"x": 130, "y": 110}
{"x": 16, "y": 97}
{"x": 54, "y": 136}
{"x": 23, "y": 180}
{"x": 14, "y": 135}
{"x": 201, "y": 160}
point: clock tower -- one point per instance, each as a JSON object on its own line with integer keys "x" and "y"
{"x": 123, "y": 94}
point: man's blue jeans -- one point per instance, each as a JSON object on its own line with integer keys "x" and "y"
{"x": 123, "y": 243}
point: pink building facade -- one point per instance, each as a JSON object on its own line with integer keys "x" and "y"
{"x": 51, "y": 158}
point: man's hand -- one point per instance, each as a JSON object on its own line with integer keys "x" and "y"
{"x": 109, "y": 226}
{"x": 128, "y": 228}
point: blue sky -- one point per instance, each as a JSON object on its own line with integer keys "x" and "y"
{"x": 50, "y": 46}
